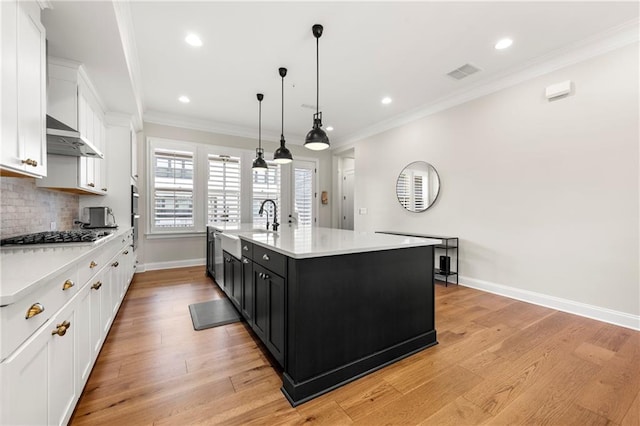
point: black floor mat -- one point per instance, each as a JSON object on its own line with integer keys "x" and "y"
{"x": 213, "y": 313}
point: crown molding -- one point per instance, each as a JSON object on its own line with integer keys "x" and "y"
{"x": 124, "y": 21}
{"x": 604, "y": 42}
{"x": 165, "y": 119}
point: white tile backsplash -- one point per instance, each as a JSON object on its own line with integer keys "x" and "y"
{"x": 25, "y": 208}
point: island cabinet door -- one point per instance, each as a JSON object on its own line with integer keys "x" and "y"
{"x": 247, "y": 305}
{"x": 269, "y": 310}
{"x": 236, "y": 291}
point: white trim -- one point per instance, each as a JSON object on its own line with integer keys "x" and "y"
{"x": 165, "y": 119}
{"x": 611, "y": 316}
{"x": 583, "y": 50}
{"x": 124, "y": 21}
{"x": 171, "y": 265}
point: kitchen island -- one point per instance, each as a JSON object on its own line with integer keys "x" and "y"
{"x": 333, "y": 305}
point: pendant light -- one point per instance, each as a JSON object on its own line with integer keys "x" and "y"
{"x": 259, "y": 162}
{"x": 282, "y": 154}
{"x": 317, "y": 138}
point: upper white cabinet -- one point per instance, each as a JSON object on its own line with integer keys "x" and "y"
{"x": 23, "y": 102}
{"x": 73, "y": 102}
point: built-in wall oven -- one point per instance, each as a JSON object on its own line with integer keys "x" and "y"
{"x": 135, "y": 215}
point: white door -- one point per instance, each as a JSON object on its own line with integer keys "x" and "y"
{"x": 305, "y": 195}
{"x": 347, "y": 200}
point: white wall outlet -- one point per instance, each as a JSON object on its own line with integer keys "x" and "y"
{"x": 53, "y": 226}
{"x": 557, "y": 90}
{"x": 362, "y": 210}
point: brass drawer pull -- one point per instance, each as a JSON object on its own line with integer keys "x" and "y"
{"x": 61, "y": 329}
{"x": 30, "y": 162}
{"x": 34, "y": 310}
{"x": 97, "y": 285}
{"x": 115, "y": 264}
{"x": 93, "y": 264}
{"x": 265, "y": 256}
{"x": 67, "y": 285}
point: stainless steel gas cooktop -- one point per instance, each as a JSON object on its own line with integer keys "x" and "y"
{"x": 56, "y": 237}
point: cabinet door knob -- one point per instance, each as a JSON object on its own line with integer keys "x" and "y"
{"x": 30, "y": 162}
{"x": 34, "y": 310}
{"x": 245, "y": 248}
{"x": 93, "y": 264}
{"x": 245, "y": 260}
{"x": 126, "y": 252}
{"x": 67, "y": 285}
{"x": 61, "y": 329}
{"x": 266, "y": 276}
{"x": 265, "y": 256}
{"x": 115, "y": 264}
{"x": 97, "y": 285}
{"x": 93, "y": 185}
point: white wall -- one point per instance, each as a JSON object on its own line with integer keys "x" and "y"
{"x": 544, "y": 195}
{"x": 173, "y": 252}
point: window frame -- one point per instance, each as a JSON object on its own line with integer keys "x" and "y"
{"x": 155, "y": 144}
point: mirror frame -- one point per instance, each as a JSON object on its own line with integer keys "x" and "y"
{"x": 428, "y": 166}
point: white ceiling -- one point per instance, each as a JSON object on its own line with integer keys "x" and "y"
{"x": 368, "y": 50}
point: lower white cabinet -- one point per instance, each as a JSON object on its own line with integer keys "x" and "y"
{"x": 43, "y": 378}
{"x": 40, "y": 376}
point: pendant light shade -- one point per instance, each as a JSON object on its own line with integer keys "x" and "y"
{"x": 317, "y": 138}
{"x": 282, "y": 154}
{"x": 259, "y": 162}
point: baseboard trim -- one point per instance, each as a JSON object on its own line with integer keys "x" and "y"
{"x": 154, "y": 266}
{"x": 610, "y": 316}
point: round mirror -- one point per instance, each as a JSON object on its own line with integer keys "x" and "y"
{"x": 418, "y": 186}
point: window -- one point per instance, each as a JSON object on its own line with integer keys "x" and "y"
{"x": 402, "y": 189}
{"x": 173, "y": 189}
{"x": 303, "y": 196}
{"x": 266, "y": 185}
{"x": 223, "y": 195}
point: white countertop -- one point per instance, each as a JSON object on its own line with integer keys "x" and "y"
{"x": 305, "y": 242}
{"x": 25, "y": 268}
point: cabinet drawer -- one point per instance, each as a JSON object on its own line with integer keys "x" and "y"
{"x": 247, "y": 248}
{"x": 271, "y": 260}
{"x": 90, "y": 265}
{"x": 15, "y": 328}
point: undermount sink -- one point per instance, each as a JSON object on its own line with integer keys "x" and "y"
{"x": 231, "y": 244}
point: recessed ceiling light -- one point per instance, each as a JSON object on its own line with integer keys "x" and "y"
{"x": 504, "y": 43}
{"x": 329, "y": 128}
{"x": 386, "y": 100}
{"x": 193, "y": 40}
{"x": 184, "y": 99}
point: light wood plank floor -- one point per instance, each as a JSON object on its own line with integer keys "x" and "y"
{"x": 499, "y": 361}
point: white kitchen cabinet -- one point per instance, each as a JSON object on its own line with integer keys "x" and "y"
{"x": 23, "y": 74}
{"x": 44, "y": 374}
{"x": 73, "y": 101}
{"x": 41, "y": 374}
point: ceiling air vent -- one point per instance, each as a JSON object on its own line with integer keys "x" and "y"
{"x": 463, "y": 71}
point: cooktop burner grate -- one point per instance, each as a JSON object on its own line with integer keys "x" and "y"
{"x": 51, "y": 237}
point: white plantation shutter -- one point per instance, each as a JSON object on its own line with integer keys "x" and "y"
{"x": 402, "y": 189}
{"x": 418, "y": 193}
{"x": 223, "y": 196}
{"x": 266, "y": 185}
{"x": 172, "y": 189}
{"x": 303, "y": 195}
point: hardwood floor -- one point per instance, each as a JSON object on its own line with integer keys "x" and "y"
{"x": 499, "y": 361}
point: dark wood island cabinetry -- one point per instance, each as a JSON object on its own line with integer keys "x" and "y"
{"x": 329, "y": 316}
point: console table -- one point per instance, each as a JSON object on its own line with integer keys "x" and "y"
{"x": 448, "y": 244}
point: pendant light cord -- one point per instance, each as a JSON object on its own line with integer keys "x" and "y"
{"x": 317, "y": 75}
{"x": 260, "y": 126}
{"x": 282, "y": 115}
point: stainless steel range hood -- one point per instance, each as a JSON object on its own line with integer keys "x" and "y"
{"x": 63, "y": 140}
